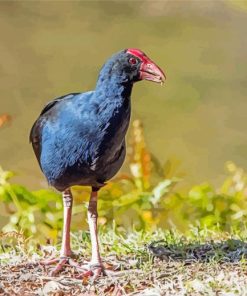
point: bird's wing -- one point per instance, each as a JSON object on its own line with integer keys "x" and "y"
{"x": 52, "y": 103}
{"x": 36, "y": 130}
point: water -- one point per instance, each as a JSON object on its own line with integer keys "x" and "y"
{"x": 198, "y": 118}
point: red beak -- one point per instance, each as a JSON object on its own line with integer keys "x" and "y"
{"x": 150, "y": 71}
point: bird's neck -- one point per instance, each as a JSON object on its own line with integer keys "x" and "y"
{"x": 114, "y": 89}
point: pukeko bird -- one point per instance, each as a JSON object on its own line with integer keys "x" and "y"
{"x": 79, "y": 139}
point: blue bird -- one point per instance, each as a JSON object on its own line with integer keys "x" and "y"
{"x": 79, "y": 139}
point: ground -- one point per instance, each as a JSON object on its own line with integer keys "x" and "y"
{"x": 139, "y": 263}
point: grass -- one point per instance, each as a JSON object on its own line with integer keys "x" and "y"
{"x": 159, "y": 263}
{"x": 200, "y": 262}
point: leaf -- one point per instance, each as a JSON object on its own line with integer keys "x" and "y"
{"x": 160, "y": 190}
{"x": 54, "y": 287}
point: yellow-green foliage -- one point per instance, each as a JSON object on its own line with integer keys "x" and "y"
{"x": 150, "y": 196}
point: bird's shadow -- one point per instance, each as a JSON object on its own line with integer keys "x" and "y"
{"x": 227, "y": 251}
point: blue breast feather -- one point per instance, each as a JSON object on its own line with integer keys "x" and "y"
{"x": 82, "y": 137}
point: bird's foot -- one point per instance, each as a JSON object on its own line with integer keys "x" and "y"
{"x": 62, "y": 262}
{"x": 92, "y": 270}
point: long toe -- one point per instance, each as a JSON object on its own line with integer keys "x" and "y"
{"x": 62, "y": 262}
{"x": 50, "y": 261}
{"x": 94, "y": 271}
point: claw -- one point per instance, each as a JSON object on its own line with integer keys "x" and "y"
{"x": 62, "y": 262}
{"x": 88, "y": 270}
{"x": 92, "y": 270}
{"x": 59, "y": 266}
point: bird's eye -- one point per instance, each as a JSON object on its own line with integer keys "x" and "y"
{"x": 132, "y": 61}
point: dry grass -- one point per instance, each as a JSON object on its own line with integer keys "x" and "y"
{"x": 160, "y": 263}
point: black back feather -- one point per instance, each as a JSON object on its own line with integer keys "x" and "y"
{"x": 36, "y": 130}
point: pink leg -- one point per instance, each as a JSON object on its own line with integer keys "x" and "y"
{"x": 65, "y": 252}
{"x": 67, "y": 203}
{"x": 95, "y": 267}
{"x": 92, "y": 221}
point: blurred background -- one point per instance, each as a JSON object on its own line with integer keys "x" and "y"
{"x": 192, "y": 126}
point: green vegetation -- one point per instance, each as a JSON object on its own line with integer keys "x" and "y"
{"x": 150, "y": 197}
{"x": 157, "y": 236}
{"x": 204, "y": 262}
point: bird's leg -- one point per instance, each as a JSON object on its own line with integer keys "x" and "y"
{"x": 65, "y": 252}
{"x": 92, "y": 221}
{"x": 95, "y": 267}
{"x": 67, "y": 204}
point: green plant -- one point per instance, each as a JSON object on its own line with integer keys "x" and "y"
{"x": 145, "y": 199}
{"x": 37, "y": 212}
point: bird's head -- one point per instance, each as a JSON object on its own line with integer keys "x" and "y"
{"x": 143, "y": 67}
{"x": 131, "y": 65}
